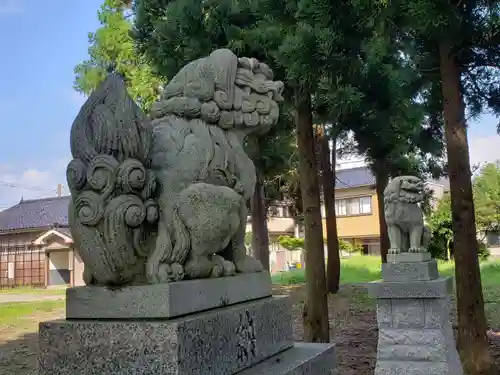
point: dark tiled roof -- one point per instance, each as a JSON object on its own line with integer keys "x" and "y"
{"x": 36, "y": 213}
{"x": 65, "y": 231}
{"x": 347, "y": 178}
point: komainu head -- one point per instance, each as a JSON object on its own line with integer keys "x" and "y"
{"x": 224, "y": 90}
{"x": 407, "y": 189}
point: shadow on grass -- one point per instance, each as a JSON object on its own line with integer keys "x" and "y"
{"x": 18, "y": 356}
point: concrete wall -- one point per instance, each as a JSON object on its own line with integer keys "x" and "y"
{"x": 77, "y": 269}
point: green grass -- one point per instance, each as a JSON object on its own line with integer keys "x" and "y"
{"x": 355, "y": 269}
{"x": 363, "y": 269}
{"x": 12, "y": 313}
{"x": 32, "y": 290}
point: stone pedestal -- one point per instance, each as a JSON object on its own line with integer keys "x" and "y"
{"x": 414, "y": 319}
{"x": 203, "y": 327}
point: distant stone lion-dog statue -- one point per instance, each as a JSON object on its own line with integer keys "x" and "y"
{"x": 404, "y": 216}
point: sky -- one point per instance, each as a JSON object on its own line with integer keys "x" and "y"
{"x": 42, "y": 41}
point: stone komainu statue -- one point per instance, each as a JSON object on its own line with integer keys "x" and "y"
{"x": 403, "y": 215}
{"x": 164, "y": 198}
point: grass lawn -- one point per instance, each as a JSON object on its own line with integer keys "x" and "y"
{"x": 363, "y": 269}
{"x": 31, "y": 290}
{"x": 16, "y": 313}
{"x": 19, "y": 334}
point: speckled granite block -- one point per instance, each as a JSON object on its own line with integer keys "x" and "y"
{"x": 416, "y": 368}
{"x": 410, "y": 271}
{"x": 217, "y": 342}
{"x": 302, "y": 359}
{"x": 415, "y": 332}
{"x": 414, "y": 313}
{"x": 408, "y": 257}
{"x": 165, "y": 300}
{"x": 441, "y": 287}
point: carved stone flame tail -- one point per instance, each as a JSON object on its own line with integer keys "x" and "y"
{"x": 111, "y": 185}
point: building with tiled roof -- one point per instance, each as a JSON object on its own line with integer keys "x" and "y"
{"x": 36, "y": 247}
{"x": 35, "y": 213}
{"x": 354, "y": 177}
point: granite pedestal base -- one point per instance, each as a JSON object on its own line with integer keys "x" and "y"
{"x": 414, "y": 321}
{"x": 165, "y": 300}
{"x": 253, "y": 337}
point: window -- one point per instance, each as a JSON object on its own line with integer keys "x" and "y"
{"x": 286, "y": 211}
{"x": 493, "y": 238}
{"x": 280, "y": 211}
{"x": 10, "y": 270}
{"x": 273, "y": 211}
{"x": 341, "y": 207}
{"x": 365, "y": 205}
{"x": 353, "y": 206}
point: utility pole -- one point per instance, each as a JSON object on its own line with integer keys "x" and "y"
{"x": 59, "y": 190}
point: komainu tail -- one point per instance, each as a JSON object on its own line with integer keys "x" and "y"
{"x": 113, "y": 212}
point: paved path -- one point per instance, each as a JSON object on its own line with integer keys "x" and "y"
{"x": 26, "y": 297}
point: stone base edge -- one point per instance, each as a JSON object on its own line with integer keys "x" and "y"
{"x": 301, "y": 359}
{"x": 437, "y": 288}
{"x": 410, "y": 271}
{"x": 417, "y": 368}
{"x": 216, "y": 342}
{"x": 409, "y": 257}
{"x": 165, "y": 300}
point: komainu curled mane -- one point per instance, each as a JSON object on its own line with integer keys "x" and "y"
{"x": 162, "y": 199}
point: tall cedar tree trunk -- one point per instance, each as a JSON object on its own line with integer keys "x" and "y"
{"x": 332, "y": 242}
{"x": 382, "y": 179}
{"x": 260, "y": 235}
{"x": 472, "y": 340}
{"x": 315, "y": 314}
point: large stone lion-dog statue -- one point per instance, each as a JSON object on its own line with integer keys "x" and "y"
{"x": 164, "y": 198}
{"x": 404, "y": 216}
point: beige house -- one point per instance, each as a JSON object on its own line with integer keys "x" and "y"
{"x": 36, "y": 247}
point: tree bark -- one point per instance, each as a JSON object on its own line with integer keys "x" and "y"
{"x": 332, "y": 242}
{"x": 260, "y": 234}
{"x": 472, "y": 340}
{"x": 315, "y": 313}
{"x": 381, "y": 180}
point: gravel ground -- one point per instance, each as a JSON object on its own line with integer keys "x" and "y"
{"x": 353, "y": 327}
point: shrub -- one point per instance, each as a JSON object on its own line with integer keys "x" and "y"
{"x": 438, "y": 248}
{"x": 349, "y": 247}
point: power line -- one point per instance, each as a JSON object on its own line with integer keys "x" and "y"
{"x": 34, "y": 188}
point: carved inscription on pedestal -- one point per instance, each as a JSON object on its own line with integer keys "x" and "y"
{"x": 246, "y": 344}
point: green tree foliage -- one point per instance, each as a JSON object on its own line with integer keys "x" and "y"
{"x": 294, "y": 243}
{"x": 440, "y": 225}
{"x": 112, "y": 47}
{"x": 349, "y": 247}
{"x": 291, "y": 243}
{"x": 456, "y": 45}
{"x": 248, "y": 239}
{"x": 487, "y": 197}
